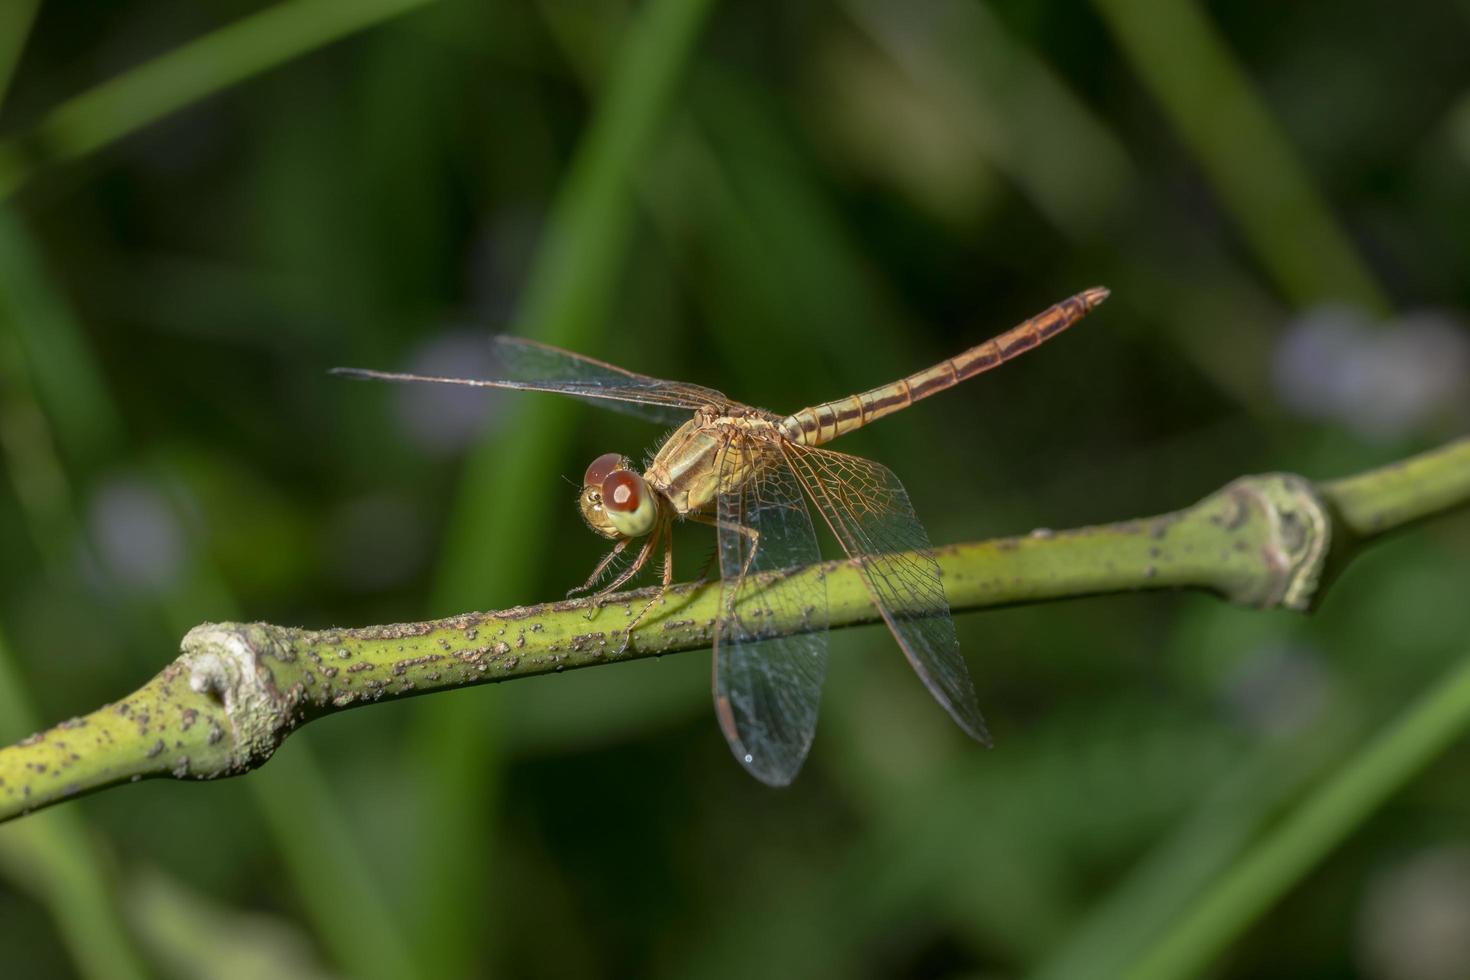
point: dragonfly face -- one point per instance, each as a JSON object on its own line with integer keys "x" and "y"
{"x": 615, "y": 500}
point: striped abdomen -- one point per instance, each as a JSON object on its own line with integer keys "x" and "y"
{"x": 823, "y": 423}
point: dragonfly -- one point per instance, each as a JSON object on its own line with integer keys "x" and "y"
{"x": 755, "y": 477}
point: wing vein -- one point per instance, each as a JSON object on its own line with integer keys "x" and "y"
{"x": 869, "y": 512}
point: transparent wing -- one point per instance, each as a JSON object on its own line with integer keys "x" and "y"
{"x": 767, "y": 688}
{"x": 870, "y": 513}
{"x": 527, "y": 365}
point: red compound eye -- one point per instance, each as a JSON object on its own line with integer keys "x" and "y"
{"x": 622, "y": 491}
{"x": 601, "y": 467}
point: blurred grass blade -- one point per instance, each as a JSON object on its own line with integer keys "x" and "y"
{"x": 65, "y": 376}
{"x": 61, "y": 864}
{"x": 349, "y": 912}
{"x": 33, "y": 465}
{"x": 1010, "y": 104}
{"x": 566, "y": 301}
{"x": 196, "y": 937}
{"x": 1265, "y": 873}
{"x": 58, "y": 858}
{"x": 251, "y": 45}
{"x": 800, "y": 277}
{"x": 1008, "y": 101}
{"x": 346, "y": 904}
{"x": 16, "y": 18}
{"x": 1184, "y": 62}
{"x": 1204, "y": 845}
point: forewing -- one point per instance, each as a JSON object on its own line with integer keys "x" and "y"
{"x": 870, "y": 513}
{"x": 526, "y": 365}
{"x": 768, "y": 688}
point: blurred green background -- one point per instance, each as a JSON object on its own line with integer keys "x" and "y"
{"x": 206, "y": 206}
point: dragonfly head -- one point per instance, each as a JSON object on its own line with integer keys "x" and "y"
{"x": 615, "y": 500}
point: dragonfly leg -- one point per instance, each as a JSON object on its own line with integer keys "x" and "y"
{"x": 755, "y": 542}
{"x": 644, "y": 554}
{"x": 600, "y": 570}
{"x": 708, "y": 567}
{"x": 663, "y": 588}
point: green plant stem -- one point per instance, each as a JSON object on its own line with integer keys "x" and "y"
{"x": 1403, "y": 492}
{"x": 64, "y": 865}
{"x": 1310, "y": 831}
{"x": 237, "y": 691}
{"x": 185, "y": 75}
{"x": 335, "y": 883}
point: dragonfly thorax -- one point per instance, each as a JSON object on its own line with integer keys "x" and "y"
{"x": 615, "y": 501}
